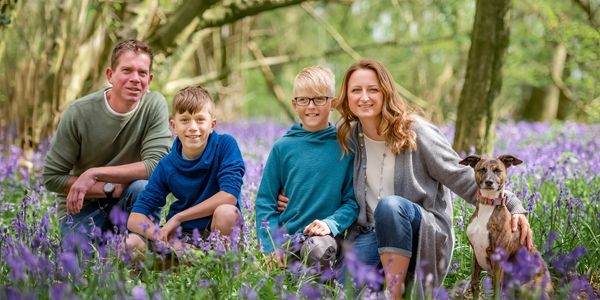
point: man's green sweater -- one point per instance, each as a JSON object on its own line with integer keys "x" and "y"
{"x": 90, "y": 135}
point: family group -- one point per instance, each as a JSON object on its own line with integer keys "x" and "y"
{"x": 380, "y": 179}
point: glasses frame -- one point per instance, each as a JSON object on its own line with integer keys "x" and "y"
{"x": 313, "y": 99}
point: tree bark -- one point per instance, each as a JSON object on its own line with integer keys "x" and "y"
{"x": 489, "y": 41}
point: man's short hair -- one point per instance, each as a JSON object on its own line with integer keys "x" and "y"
{"x": 130, "y": 45}
{"x": 316, "y": 78}
{"x": 192, "y": 99}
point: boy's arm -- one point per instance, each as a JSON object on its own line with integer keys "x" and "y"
{"x": 347, "y": 213}
{"x": 153, "y": 197}
{"x": 142, "y": 225}
{"x": 203, "y": 209}
{"x": 267, "y": 216}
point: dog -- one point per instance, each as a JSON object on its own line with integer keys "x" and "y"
{"x": 490, "y": 225}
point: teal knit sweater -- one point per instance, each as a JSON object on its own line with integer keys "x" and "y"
{"x": 316, "y": 178}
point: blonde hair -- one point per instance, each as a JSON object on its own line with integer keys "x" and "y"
{"x": 192, "y": 100}
{"x": 317, "y": 79}
{"x": 395, "y": 125}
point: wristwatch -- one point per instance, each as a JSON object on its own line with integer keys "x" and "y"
{"x": 108, "y": 189}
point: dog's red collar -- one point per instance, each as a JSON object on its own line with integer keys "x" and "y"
{"x": 481, "y": 199}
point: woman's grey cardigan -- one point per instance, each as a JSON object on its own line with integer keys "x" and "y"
{"x": 424, "y": 176}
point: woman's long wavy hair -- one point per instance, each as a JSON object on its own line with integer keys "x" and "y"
{"x": 395, "y": 125}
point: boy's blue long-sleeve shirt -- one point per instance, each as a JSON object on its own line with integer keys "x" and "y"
{"x": 219, "y": 168}
{"x": 316, "y": 178}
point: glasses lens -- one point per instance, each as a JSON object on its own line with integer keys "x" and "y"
{"x": 320, "y": 100}
{"x": 302, "y": 101}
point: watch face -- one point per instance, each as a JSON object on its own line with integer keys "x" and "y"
{"x": 109, "y": 187}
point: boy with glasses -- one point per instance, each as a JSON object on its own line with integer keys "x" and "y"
{"x": 308, "y": 164}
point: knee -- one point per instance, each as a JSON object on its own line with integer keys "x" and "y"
{"x": 225, "y": 218}
{"x": 135, "y": 242}
{"x": 136, "y": 187}
{"x": 389, "y": 207}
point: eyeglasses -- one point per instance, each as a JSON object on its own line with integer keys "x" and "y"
{"x": 318, "y": 101}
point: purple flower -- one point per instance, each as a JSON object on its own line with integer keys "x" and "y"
{"x": 70, "y": 264}
{"x": 566, "y": 262}
{"x": 139, "y": 293}
{"x": 118, "y": 218}
{"x": 247, "y": 292}
{"x": 311, "y": 291}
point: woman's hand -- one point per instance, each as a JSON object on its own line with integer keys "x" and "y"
{"x": 519, "y": 221}
{"x": 282, "y": 201}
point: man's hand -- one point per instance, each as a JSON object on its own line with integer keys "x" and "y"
{"x": 317, "y": 227}
{"x": 523, "y": 225}
{"x": 169, "y": 229}
{"x": 282, "y": 201}
{"x": 78, "y": 189}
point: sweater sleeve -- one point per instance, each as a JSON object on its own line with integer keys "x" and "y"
{"x": 347, "y": 213}
{"x": 232, "y": 167}
{"x": 154, "y": 196}
{"x": 157, "y": 141}
{"x": 442, "y": 163}
{"x": 267, "y": 216}
{"x": 63, "y": 153}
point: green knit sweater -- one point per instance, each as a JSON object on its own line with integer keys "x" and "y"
{"x": 90, "y": 135}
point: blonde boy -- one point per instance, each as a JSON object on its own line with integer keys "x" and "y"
{"x": 203, "y": 171}
{"x": 307, "y": 163}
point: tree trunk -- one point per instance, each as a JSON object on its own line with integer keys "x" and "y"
{"x": 489, "y": 41}
{"x": 543, "y": 102}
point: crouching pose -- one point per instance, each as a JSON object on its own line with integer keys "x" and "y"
{"x": 203, "y": 171}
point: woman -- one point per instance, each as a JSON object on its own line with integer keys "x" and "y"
{"x": 404, "y": 170}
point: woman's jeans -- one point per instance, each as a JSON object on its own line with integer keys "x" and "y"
{"x": 397, "y": 222}
{"x": 96, "y": 217}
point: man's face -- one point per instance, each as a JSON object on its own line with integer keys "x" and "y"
{"x": 130, "y": 78}
{"x": 314, "y": 117}
{"x": 193, "y": 130}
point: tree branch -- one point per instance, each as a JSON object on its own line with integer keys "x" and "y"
{"x": 586, "y": 6}
{"x": 336, "y": 35}
{"x": 163, "y": 39}
{"x": 270, "y": 78}
{"x": 210, "y": 15}
{"x": 283, "y": 59}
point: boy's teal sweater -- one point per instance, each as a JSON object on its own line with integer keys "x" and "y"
{"x": 317, "y": 179}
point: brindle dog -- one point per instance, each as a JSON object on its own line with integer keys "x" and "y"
{"x": 490, "y": 225}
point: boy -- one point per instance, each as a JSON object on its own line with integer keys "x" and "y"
{"x": 203, "y": 171}
{"x": 307, "y": 163}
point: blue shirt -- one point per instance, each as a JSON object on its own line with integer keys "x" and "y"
{"x": 219, "y": 168}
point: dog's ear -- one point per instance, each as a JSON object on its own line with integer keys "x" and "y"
{"x": 509, "y": 160}
{"x": 470, "y": 160}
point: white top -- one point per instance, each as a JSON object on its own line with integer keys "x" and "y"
{"x": 118, "y": 113}
{"x": 380, "y": 171}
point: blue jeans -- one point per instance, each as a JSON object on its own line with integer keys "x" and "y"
{"x": 95, "y": 215}
{"x": 397, "y": 222}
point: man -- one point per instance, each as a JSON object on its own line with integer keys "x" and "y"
{"x": 107, "y": 143}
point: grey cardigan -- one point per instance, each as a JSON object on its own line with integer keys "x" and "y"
{"x": 424, "y": 176}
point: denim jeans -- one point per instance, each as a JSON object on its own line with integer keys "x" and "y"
{"x": 95, "y": 214}
{"x": 397, "y": 222}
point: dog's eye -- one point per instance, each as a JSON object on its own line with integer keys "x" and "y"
{"x": 482, "y": 171}
{"x": 497, "y": 170}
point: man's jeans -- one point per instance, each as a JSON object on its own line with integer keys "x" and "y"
{"x": 94, "y": 217}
